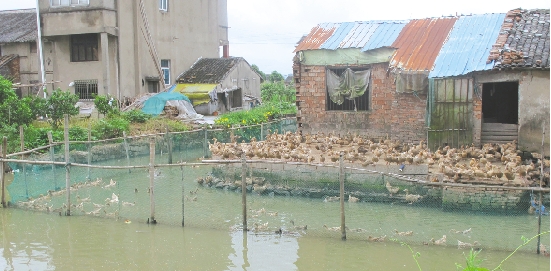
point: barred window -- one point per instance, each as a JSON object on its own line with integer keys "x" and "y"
{"x": 347, "y": 89}
{"x": 84, "y": 47}
{"x": 86, "y": 89}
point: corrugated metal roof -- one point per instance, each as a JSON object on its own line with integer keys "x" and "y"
{"x": 419, "y": 43}
{"x": 317, "y": 36}
{"x": 384, "y": 35}
{"x": 18, "y": 26}
{"x": 366, "y": 35}
{"x": 468, "y": 46}
{"x": 198, "y": 93}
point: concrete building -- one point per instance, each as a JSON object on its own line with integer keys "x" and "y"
{"x": 125, "y": 48}
{"x": 220, "y": 85}
{"x": 429, "y": 79}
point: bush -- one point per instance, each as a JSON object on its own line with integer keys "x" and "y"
{"x": 110, "y": 128}
{"x": 106, "y": 105}
{"x": 136, "y": 116}
{"x": 59, "y": 104}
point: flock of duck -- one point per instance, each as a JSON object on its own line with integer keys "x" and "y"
{"x": 44, "y": 202}
{"x": 500, "y": 164}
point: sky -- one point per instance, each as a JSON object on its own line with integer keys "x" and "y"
{"x": 265, "y": 32}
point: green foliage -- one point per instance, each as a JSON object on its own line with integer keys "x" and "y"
{"x": 275, "y": 77}
{"x": 37, "y": 105}
{"x": 277, "y": 92}
{"x": 13, "y": 110}
{"x": 256, "y": 69}
{"x": 106, "y": 105}
{"x": 59, "y": 104}
{"x": 473, "y": 262}
{"x": 136, "y": 116}
{"x": 110, "y": 128}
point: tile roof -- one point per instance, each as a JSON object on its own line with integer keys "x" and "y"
{"x": 527, "y": 43}
{"x": 419, "y": 43}
{"x": 18, "y": 25}
{"x": 366, "y": 35}
{"x": 209, "y": 70}
{"x": 468, "y": 45}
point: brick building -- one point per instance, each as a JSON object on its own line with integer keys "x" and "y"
{"x": 427, "y": 79}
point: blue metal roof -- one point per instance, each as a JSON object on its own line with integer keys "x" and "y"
{"x": 468, "y": 45}
{"x": 384, "y": 35}
{"x": 366, "y": 35}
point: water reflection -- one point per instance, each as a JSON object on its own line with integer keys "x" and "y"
{"x": 263, "y": 251}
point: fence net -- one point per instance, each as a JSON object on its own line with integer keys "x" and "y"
{"x": 112, "y": 179}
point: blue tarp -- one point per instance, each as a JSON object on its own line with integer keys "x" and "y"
{"x": 155, "y": 104}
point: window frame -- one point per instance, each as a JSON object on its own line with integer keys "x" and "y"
{"x": 166, "y": 71}
{"x": 85, "y": 88}
{"x": 349, "y": 105}
{"x": 163, "y": 5}
{"x": 69, "y": 3}
{"x": 85, "y": 42}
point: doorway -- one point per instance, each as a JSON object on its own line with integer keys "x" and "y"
{"x": 499, "y": 112}
{"x": 500, "y": 102}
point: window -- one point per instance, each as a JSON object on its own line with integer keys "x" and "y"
{"x": 165, "y": 67}
{"x": 86, "y": 89}
{"x": 66, "y": 3}
{"x": 84, "y": 47}
{"x": 163, "y": 5}
{"x": 347, "y": 89}
{"x": 32, "y": 46}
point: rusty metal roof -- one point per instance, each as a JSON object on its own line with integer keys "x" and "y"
{"x": 419, "y": 43}
{"x": 469, "y": 45}
{"x": 18, "y": 26}
{"x": 365, "y": 35}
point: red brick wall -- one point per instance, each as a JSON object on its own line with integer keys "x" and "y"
{"x": 398, "y": 116}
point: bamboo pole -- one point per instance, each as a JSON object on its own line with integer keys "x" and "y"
{"x": 3, "y": 170}
{"x": 126, "y": 150}
{"x": 89, "y": 148}
{"x": 168, "y": 139}
{"x": 34, "y": 150}
{"x": 67, "y": 166}
{"x": 183, "y": 196}
{"x": 244, "y": 190}
{"x": 261, "y": 132}
{"x": 341, "y": 181}
{"x": 541, "y": 180}
{"x": 50, "y": 140}
{"x": 151, "y": 218}
{"x": 205, "y": 145}
{"x": 22, "y": 139}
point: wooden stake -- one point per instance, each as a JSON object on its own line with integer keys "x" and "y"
{"x": 51, "y": 140}
{"x": 67, "y": 167}
{"x": 151, "y": 180}
{"x": 3, "y": 169}
{"x": 341, "y": 181}
{"x": 244, "y": 190}
{"x": 126, "y": 149}
{"x": 22, "y": 139}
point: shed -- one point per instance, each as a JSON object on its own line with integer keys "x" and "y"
{"x": 220, "y": 85}
{"x": 456, "y": 80}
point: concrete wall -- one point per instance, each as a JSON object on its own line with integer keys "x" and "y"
{"x": 187, "y": 31}
{"x": 533, "y": 105}
{"x": 245, "y": 78}
{"x": 28, "y": 69}
{"x": 398, "y": 116}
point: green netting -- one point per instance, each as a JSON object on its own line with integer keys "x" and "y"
{"x": 282, "y": 198}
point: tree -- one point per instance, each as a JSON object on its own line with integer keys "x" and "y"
{"x": 256, "y": 69}
{"x": 276, "y": 77}
{"x": 61, "y": 103}
{"x": 13, "y": 111}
